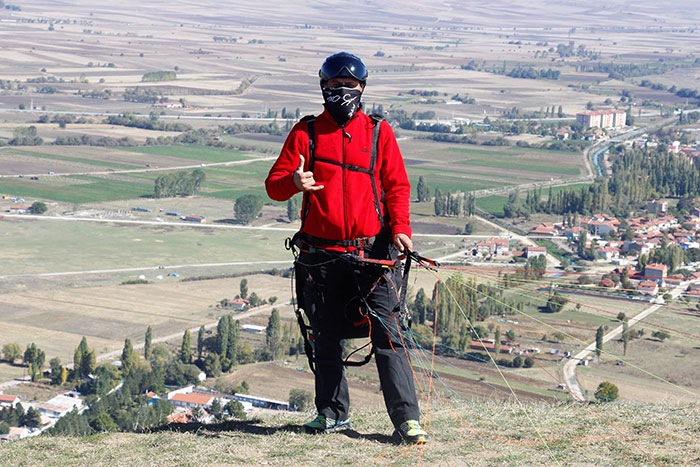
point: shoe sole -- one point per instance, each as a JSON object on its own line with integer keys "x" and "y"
{"x": 316, "y": 431}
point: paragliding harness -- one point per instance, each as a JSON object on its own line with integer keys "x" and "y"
{"x": 307, "y": 243}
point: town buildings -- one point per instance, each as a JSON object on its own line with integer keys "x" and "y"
{"x": 602, "y": 118}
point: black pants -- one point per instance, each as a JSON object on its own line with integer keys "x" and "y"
{"x": 335, "y": 293}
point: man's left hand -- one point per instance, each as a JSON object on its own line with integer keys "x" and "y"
{"x": 403, "y": 242}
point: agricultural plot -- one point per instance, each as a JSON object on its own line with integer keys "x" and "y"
{"x": 57, "y": 319}
{"x": 77, "y": 189}
{"x": 35, "y": 247}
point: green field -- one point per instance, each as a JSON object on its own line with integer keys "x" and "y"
{"x": 525, "y": 166}
{"x": 77, "y": 189}
{"x": 494, "y": 204}
{"x": 57, "y": 245}
{"x": 80, "y": 160}
{"x": 193, "y": 152}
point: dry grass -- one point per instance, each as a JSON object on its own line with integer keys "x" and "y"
{"x": 477, "y": 433}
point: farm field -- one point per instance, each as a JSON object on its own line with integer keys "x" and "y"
{"x": 448, "y": 166}
{"x": 45, "y": 246}
{"x": 494, "y": 203}
{"x": 57, "y": 319}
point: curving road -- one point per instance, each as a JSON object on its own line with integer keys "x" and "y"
{"x": 569, "y": 369}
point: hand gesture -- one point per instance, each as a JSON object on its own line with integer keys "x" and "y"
{"x": 304, "y": 181}
{"x": 403, "y": 242}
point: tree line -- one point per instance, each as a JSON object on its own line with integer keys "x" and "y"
{"x": 129, "y": 119}
{"x": 180, "y": 183}
{"x": 159, "y": 76}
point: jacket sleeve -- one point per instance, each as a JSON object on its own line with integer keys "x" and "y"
{"x": 397, "y": 189}
{"x": 279, "y": 183}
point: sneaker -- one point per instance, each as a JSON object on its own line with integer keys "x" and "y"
{"x": 411, "y": 432}
{"x": 321, "y": 424}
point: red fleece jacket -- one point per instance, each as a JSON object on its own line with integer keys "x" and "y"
{"x": 344, "y": 209}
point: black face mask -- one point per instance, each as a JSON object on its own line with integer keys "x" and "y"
{"x": 342, "y": 103}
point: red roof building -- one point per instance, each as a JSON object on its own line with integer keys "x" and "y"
{"x": 192, "y": 399}
{"x": 489, "y": 347}
{"x": 7, "y": 400}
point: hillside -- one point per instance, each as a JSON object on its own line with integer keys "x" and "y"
{"x": 475, "y": 433}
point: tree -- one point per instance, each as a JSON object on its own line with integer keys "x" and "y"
{"x": 4, "y": 427}
{"x": 147, "y": 343}
{"x": 235, "y": 409}
{"x": 599, "y": 341}
{"x": 233, "y": 338}
{"x": 38, "y": 207}
{"x": 469, "y": 228}
{"x": 216, "y": 409}
{"x": 105, "y": 422}
{"x": 222, "y": 337}
{"x": 300, "y": 399}
{"x": 247, "y": 208}
{"x": 607, "y": 392}
{"x": 84, "y": 359}
{"x": 56, "y": 370}
{"x": 128, "y": 358}
{"x": 528, "y": 363}
{"x": 621, "y": 316}
{"x": 293, "y": 208}
{"x": 186, "y": 347}
{"x": 625, "y": 336}
{"x": 212, "y": 364}
{"x": 89, "y": 363}
{"x": 422, "y": 190}
{"x": 418, "y": 307}
{"x": 556, "y": 303}
{"x": 660, "y": 335}
{"x": 243, "y": 286}
{"x": 32, "y": 418}
{"x": 34, "y": 358}
{"x": 11, "y": 352}
{"x": 273, "y": 336}
{"x": 200, "y": 342}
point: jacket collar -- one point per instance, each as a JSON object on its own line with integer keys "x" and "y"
{"x": 326, "y": 116}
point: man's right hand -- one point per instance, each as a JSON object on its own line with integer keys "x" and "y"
{"x": 304, "y": 181}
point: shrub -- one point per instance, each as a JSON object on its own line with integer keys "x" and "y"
{"x": 606, "y": 392}
{"x": 300, "y": 399}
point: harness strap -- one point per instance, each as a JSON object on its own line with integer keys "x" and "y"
{"x": 309, "y": 119}
{"x": 321, "y": 242}
{"x": 377, "y": 119}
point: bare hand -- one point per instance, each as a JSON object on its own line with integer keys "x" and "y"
{"x": 403, "y": 242}
{"x": 304, "y": 181}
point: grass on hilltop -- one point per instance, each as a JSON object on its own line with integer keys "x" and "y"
{"x": 472, "y": 433}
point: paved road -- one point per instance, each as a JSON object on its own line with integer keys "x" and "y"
{"x": 569, "y": 369}
{"x": 144, "y": 269}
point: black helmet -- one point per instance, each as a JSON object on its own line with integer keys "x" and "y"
{"x": 343, "y": 64}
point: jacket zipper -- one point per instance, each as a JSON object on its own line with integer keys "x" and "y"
{"x": 345, "y": 214}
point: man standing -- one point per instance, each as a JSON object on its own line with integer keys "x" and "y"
{"x": 356, "y": 207}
